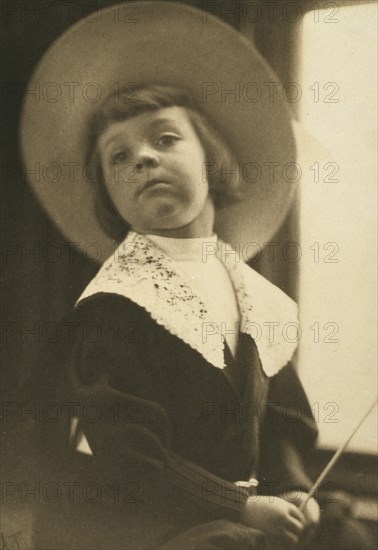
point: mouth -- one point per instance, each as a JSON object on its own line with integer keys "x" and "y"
{"x": 153, "y": 182}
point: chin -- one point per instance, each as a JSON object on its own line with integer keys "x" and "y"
{"x": 169, "y": 216}
{"x": 169, "y": 224}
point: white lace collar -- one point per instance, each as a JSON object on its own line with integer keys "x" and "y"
{"x": 194, "y": 250}
{"x": 141, "y": 271}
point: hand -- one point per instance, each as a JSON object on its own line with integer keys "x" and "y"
{"x": 311, "y": 512}
{"x": 280, "y": 520}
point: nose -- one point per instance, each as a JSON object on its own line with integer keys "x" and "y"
{"x": 146, "y": 158}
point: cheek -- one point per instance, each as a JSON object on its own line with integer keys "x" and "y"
{"x": 199, "y": 165}
{"x": 193, "y": 167}
{"x": 124, "y": 199}
{"x": 118, "y": 193}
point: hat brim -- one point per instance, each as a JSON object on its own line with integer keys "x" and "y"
{"x": 166, "y": 43}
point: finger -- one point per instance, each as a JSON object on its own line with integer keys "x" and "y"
{"x": 290, "y": 538}
{"x": 296, "y": 513}
{"x": 295, "y": 526}
{"x": 311, "y": 521}
{"x": 312, "y": 511}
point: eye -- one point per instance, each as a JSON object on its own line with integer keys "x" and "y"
{"x": 167, "y": 139}
{"x": 118, "y": 157}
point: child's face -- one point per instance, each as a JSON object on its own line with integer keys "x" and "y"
{"x": 154, "y": 170}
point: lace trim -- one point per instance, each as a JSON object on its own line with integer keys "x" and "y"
{"x": 141, "y": 271}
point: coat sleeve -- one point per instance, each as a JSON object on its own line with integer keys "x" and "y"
{"x": 131, "y": 435}
{"x": 288, "y": 437}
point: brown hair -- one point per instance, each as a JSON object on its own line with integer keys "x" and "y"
{"x": 132, "y": 101}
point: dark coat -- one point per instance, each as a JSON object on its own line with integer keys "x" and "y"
{"x": 169, "y": 432}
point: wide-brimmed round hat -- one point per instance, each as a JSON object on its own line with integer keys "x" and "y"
{"x": 167, "y": 43}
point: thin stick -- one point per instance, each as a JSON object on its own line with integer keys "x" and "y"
{"x": 334, "y": 459}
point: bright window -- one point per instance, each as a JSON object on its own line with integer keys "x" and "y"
{"x": 338, "y": 273}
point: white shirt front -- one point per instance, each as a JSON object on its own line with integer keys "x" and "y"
{"x": 206, "y": 274}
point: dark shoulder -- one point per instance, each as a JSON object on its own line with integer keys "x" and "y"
{"x": 109, "y": 323}
{"x": 118, "y": 319}
{"x": 111, "y": 316}
{"x": 102, "y": 323}
{"x": 106, "y": 306}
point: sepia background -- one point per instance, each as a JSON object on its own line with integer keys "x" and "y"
{"x": 324, "y": 255}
